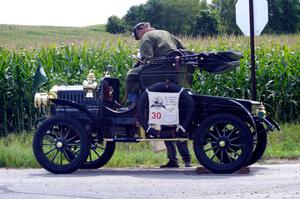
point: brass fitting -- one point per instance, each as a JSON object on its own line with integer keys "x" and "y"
{"x": 90, "y": 84}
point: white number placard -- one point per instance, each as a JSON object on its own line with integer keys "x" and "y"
{"x": 163, "y": 108}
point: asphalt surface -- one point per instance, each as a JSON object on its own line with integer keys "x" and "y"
{"x": 278, "y": 181}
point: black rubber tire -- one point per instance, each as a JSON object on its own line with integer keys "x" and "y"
{"x": 101, "y": 158}
{"x": 204, "y": 138}
{"x": 260, "y": 145}
{"x": 67, "y": 130}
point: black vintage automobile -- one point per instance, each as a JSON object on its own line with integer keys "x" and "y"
{"x": 83, "y": 124}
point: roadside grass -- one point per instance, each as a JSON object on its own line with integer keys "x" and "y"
{"x": 284, "y": 143}
{"x": 16, "y": 150}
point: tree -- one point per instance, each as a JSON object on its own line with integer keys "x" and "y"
{"x": 176, "y": 16}
{"x": 226, "y": 12}
{"x": 134, "y": 15}
{"x": 284, "y": 16}
{"x": 290, "y": 16}
{"x": 115, "y": 25}
{"x": 206, "y": 23}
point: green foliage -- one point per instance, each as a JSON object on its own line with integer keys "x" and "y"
{"x": 206, "y": 23}
{"x": 115, "y": 25}
{"x": 180, "y": 16}
{"x": 63, "y": 65}
{"x": 284, "y": 144}
{"x": 284, "y": 16}
{"x": 134, "y": 15}
{"x": 16, "y": 37}
{"x": 278, "y": 82}
{"x": 16, "y": 150}
{"x": 277, "y": 60}
{"x": 226, "y": 13}
{"x": 176, "y": 16}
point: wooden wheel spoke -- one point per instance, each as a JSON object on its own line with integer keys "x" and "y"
{"x": 61, "y": 132}
{"x": 61, "y": 158}
{"x": 214, "y": 154}
{"x": 48, "y": 144}
{"x": 221, "y": 160}
{"x": 96, "y": 153}
{"x": 228, "y": 156}
{"x": 237, "y": 145}
{"x": 67, "y": 133}
{"x": 73, "y": 144}
{"x": 72, "y": 138}
{"x": 67, "y": 156}
{"x": 233, "y": 151}
{"x": 208, "y": 142}
{"x": 209, "y": 149}
{"x": 55, "y": 156}
{"x": 100, "y": 147}
{"x": 213, "y": 136}
{"x": 50, "y": 151}
{"x": 73, "y": 152}
{"x": 232, "y": 132}
{"x": 217, "y": 129}
{"x": 50, "y": 138}
{"x": 234, "y": 139}
{"x": 53, "y": 132}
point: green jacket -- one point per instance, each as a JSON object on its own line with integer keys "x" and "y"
{"x": 158, "y": 43}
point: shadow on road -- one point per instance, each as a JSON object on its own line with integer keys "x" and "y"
{"x": 180, "y": 173}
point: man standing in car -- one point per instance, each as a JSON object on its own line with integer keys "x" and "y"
{"x": 156, "y": 43}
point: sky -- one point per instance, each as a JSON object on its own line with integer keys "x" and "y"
{"x": 76, "y": 13}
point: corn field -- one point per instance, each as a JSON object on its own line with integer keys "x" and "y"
{"x": 278, "y": 75}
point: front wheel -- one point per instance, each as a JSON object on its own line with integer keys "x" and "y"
{"x": 223, "y": 143}
{"x": 260, "y": 140}
{"x": 61, "y": 145}
{"x": 99, "y": 155}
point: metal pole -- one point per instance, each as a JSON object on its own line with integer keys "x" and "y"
{"x": 252, "y": 45}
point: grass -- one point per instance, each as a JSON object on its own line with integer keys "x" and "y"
{"x": 284, "y": 144}
{"x": 30, "y": 37}
{"x": 16, "y": 151}
{"x": 16, "y": 37}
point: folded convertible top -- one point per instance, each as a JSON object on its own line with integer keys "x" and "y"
{"x": 213, "y": 62}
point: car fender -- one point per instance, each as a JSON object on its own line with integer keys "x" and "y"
{"x": 245, "y": 110}
{"x": 79, "y": 107}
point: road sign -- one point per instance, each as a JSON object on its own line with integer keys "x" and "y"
{"x": 260, "y": 15}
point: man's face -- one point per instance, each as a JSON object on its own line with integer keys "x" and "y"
{"x": 141, "y": 32}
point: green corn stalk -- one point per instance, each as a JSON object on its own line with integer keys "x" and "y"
{"x": 278, "y": 74}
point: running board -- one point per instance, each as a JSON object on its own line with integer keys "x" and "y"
{"x": 142, "y": 140}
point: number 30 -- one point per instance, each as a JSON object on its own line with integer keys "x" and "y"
{"x": 156, "y": 115}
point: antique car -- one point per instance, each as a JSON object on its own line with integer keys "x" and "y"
{"x": 83, "y": 123}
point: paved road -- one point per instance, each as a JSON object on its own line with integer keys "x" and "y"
{"x": 260, "y": 181}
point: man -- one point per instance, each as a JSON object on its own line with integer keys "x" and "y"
{"x": 154, "y": 43}
{"x": 157, "y": 43}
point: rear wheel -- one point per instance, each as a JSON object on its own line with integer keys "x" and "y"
{"x": 61, "y": 145}
{"x": 223, "y": 143}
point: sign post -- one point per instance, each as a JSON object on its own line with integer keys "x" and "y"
{"x": 252, "y": 46}
{"x": 251, "y": 18}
